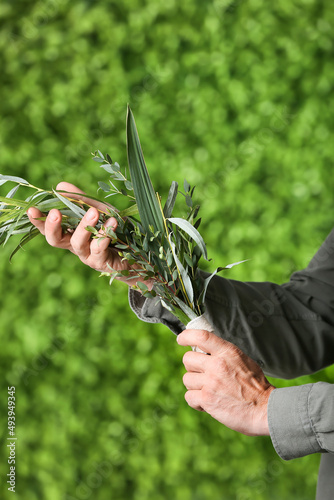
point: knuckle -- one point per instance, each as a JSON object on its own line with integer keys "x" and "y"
{"x": 186, "y": 357}
{"x": 221, "y": 365}
{"x": 204, "y": 335}
{"x": 75, "y": 246}
{"x": 51, "y": 241}
{"x": 97, "y": 245}
{"x": 185, "y": 378}
{"x": 207, "y": 395}
{"x": 188, "y": 399}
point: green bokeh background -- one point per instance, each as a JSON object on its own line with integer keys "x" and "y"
{"x": 234, "y": 96}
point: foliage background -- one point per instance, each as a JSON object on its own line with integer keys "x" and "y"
{"x": 234, "y": 96}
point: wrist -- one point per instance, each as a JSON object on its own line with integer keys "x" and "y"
{"x": 262, "y": 420}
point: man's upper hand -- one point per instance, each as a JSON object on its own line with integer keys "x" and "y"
{"x": 94, "y": 252}
{"x": 228, "y": 385}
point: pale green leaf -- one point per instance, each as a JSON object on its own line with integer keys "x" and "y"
{"x": 169, "y": 205}
{"x": 130, "y": 211}
{"x": 72, "y": 206}
{"x": 104, "y": 186}
{"x": 28, "y": 237}
{"x": 192, "y": 232}
{"x": 19, "y": 180}
{"x": 183, "y": 275}
{"x": 185, "y": 309}
{"x": 229, "y": 266}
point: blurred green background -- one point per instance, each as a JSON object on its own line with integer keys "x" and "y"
{"x": 236, "y": 97}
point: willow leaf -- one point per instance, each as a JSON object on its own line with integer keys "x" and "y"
{"x": 10, "y": 230}
{"x": 169, "y": 205}
{"x": 192, "y": 232}
{"x": 186, "y": 309}
{"x": 229, "y": 266}
{"x": 47, "y": 205}
{"x": 28, "y": 237}
{"x": 14, "y": 203}
{"x": 19, "y": 180}
{"x": 206, "y": 282}
{"x": 72, "y": 206}
{"x": 10, "y": 195}
{"x": 183, "y": 275}
{"x": 148, "y": 206}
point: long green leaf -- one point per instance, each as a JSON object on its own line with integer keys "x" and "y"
{"x": 14, "y": 203}
{"x": 186, "y": 309}
{"x": 28, "y": 237}
{"x": 148, "y": 206}
{"x": 192, "y": 232}
{"x": 11, "y": 193}
{"x": 206, "y": 282}
{"x": 229, "y": 266}
{"x": 183, "y": 275}
{"x": 75, "y": 208}
{"x": 11, "y": 178}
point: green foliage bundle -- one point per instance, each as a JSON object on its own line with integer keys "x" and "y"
{"x": 164, "y": 248}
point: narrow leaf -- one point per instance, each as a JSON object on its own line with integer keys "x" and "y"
{"x": 77, "y": 210}
{"x": 11, "y": 193}
{"x": 192, "y": 232}
{"x": 183, "y": 275}
{"x": 169, "y": 205}
{"x": 166, "y": 306}
{"x": 5, "y": 178}
{"x": 186, "y": 186}
{"x": 229, "y": 266}
{"x": 186, "y": 309}
{"x": 28, "y": 237}
{"x": 206, "y": 284}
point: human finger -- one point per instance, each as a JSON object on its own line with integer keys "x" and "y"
{"x": 193, "y": 399}
{"x": 207, "y": 341}
{"x": 33, "y": 214}
{"x": 193, "y": 380}
{"x": 81, "y": 238}
{"x": 54, "y": 232}
{"x": 99, "y": 246}
{"x": 195, "y": 361}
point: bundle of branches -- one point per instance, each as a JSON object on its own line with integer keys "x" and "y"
{"x": 164, "y": 248}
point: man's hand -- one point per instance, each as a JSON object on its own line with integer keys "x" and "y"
{"x": 94, "y": 252}
{"x": 228, "y": 385}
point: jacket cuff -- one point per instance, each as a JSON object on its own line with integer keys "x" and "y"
{"x": 290, "y": 422}
{"x": 151, "y": 311}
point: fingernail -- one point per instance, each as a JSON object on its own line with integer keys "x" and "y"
{"x": 53, "y": 216}
{"x": 91, "y": 214}
{"x": 110, "y": 223}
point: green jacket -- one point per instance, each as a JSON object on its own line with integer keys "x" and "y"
{"x": 289, "y": 331}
